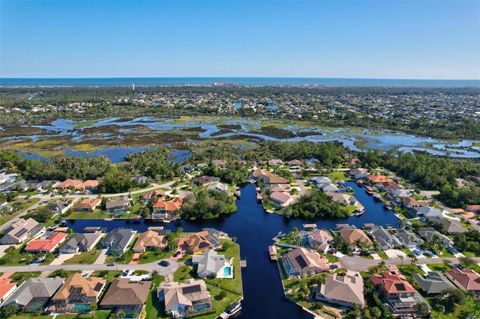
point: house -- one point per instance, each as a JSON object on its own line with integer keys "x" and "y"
{"x": 212, "y": 265}
{"x": 118, "y": 240}
{"x": 328, "y": 187}
{"x": 80, "y": 242}
{"x": 275, "y": 162}
{"x": 397, "y": 292}
{"x": 20, "y": 231}
{"x": 433, "y": 282}
{"x": 152, "y": 195}
{"x": 88, "y": 204}
{"x": 117, "y": 206}
{"x": 427, "y": 212}
{"x": 411, "y": 203}
{"x": 91, "y": 184}
{"x": 149, "y": 240}
{"x": 77, "y": 291}
{"x": 140, "y": 180}
{"x": 219, "y": 163}
{"x": 269, "y": 179}
{"x": 344, "y": 290}
{"x": 387, "y": 185}
{"x": 204, "y": 180}
{"x": 301, "y": 261}
{"x": 166, "y": 210}
{"x": 452, "y": 226}
{"x": 281, "y": 199}
{"x": 376, "y": 179}
{"x": 408, "y": 238}
{"x": 59, "y": 206}
{"x": 7, "y": 287}
{"x": 397, "y": 194}
{"x": 70, "y": 184}
{"x": 355, "y": 236}
{"x": 358, "y": 173}
{"x": 318, "y": 180}
{"x": 320, "y": 240}
{"x": 384, "y": 238}
{"x": 197, "y": 243}
{"x": 127, "y": 297}
{"x": 219, "y": 187}
{"x": 473, "y": 208}
{"x": 185, "y": 299}
{"x": 346, "y": 199}
{"x": 33, "y": 294}
{"x": 47, "y": 243}
{"x": 465, "y": 279}
{"x": 429, "y": 233}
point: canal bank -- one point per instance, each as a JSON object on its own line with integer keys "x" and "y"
{"x": 254, "y": 230}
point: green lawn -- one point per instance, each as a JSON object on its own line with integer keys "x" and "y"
{"x": 232, "y": 285}
{"x": 96, "y": 214}
{"x": 18, "y": 206}
{"x": 124, "y": 258}
{"x": 337, "y": 176}
{"x": 151, "y": 256}
{"x": 16, "y": 257}
{"x": 154, "y": 309}
{"x": 183, "y": 273}
{"x": 441, "y": 267}
{"x": 108, "y": 275}
{"x": 471, "y": 307}
{"x": 99, "y": 314}
{"x": 20, "y": 277}
{"x": 409, "y": 270}
{"x": 87, "y": 257}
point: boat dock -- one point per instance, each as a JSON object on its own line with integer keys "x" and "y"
{"x": 243, "y": 263}
{"x": 272, "y": 252}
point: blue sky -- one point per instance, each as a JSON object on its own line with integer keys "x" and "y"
{"x": 381, "y": 39}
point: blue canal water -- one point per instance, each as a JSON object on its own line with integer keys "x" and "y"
{"x": 254, "y": 230}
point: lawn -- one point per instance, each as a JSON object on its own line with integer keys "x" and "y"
{"x": 19, "y": 205}
{"x": 124, "y": 258}
{"x": 96, "y": 214}
{"x": 99, "y": 314}
{"x": 409, "y": 270}
{"x": 232, "y": 285}
{"x": 20, "y": 277}
{"x": 154, "y": 309}
{"x": 87, "y": 257}
{"x": 337, "y": 176}
{"x": 182, "y": 273}
{"x": 108, "y": 275}
{"x": 151, "y": 256}
{"x": 16, "y": 257}
{"x": 441, "y": 267}
{"x": 470, "y": 307}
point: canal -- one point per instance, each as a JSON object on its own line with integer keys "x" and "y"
{"x": 254, "y": 230}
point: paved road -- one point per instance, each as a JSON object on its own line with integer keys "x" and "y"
{"x": 361, "y": 264}
{"x": 148, "y": 267}
{"x": 23, "y": 213}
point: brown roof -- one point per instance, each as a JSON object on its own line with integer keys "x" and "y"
{"x": 466, "y": 278}
{"x": 170, "y": 206}
{"x": 347, "y": 288}
{"x": 196, "y": 242}
{"x": 88, "y": 203}
{"x": 71, "y": 183}
{"x": 307, "y": 260}
{"x": 378, "y": 178}
{"x": 149, "y": 239}
{"x": 122, "y": 292}
{"x": 352, "y": 236}
{"x": 90, "y": 287}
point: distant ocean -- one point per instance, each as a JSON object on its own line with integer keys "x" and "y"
{"x": 253, "y": 81}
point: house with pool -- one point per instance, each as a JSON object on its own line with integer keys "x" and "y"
{"x": 212, "y": 265}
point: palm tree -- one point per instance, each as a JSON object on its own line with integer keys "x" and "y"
{"x": 93, "y": 309}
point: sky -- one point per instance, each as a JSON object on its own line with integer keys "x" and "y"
{"x": 427, "y": 39}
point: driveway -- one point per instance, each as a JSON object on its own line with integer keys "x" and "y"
{"x": 101, "y": 258}
{"x": 61, "y": 258}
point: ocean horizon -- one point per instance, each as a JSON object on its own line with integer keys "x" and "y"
{"x": 243, "y": 81}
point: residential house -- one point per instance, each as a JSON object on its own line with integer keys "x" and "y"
{"x": 320, "y": 240}
{"x": 384, "y": 238}
{"x": 465, "y": 279}
{"x": 70, "y": 184}
{"x": 355, "y": 236}
{"x": 408, "y": 238}
{"x": 47, "y": 243}
{"x": 376, "y": 179}
{"x": 219, "y": 163}
{"x": 281, "y": 199}
{"x": 91, "y": 184}
{"x": 150, "y": 240}
{"x": 346, "y": 290}
{"x": 270, "y": 179}
{"x": 118, "y": 240}
{"x": 328, "y": 187}
{"x": 117, "y": 206}
{"x": 33, "y": 294}
{"x": 87, "y": 204}
{"x": 301, "y": 261}
{"x": 318, "y": 180}
{"x": 7, "y": 287}
{"x": 59, "y": 207}
{"x": 166, "y": 210}
{"x": 473, "y": 208}
{"x": 204, "y": 180}
{"x": 452, "y": 226}
{"x": 77, "y": 291}
{"x": 275, "y": 162}
{"x": 397, "y": 292}
{"x": 212, "y": 265}
{"x": 387, "y": 186}
{"x": 433, "y": 282}
{"x": 80, "y": 242}
{"x": 185, "y": 299}
{"x": 358, "y": 173}
{"x": 345, "y": 199}
{"x": 429, "y": 233}
{"x": 126, "y": 297}
{"x": 219, "y": 187}
{"x": 427, "y": 212}
{"x": 410, "y": 203}
{"x": 152, "y": 195}
{"x": 20, "y": 231}
{"x": 196, "y": 243}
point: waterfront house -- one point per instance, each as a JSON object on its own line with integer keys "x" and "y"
{"x": 20, "y": 231}
{"x": 465, "y": 279}
{"x": 355, "y": 237}
{"x": 166, "y": 210}
{"x": 320, "y": 240}
{"x": 452, "y": 226}
{"x": 219, "y": 187}
{"x": 397, "y": 292}
{"x": 358, "y": 173}
{"x": 70, "y": 184}
{"x": 127, "y": 297}
{"x": 408, "y": 238}
{"x": 384, "y": 238}
{"x": 7, "y": 287}
{"x": 47, "y": 243}
{"x": 150, "y": 240}
{"x": 387, "y": 186}
{"x": 328, "y": 187}
{"x": 376, "y": 179}
{"x": 318, "y": 180}
{"x": 346, "y": 290}
{"x": 433, "y": 282}
{"x": 117, "y": 206}
{"x": 80, "y": 242}
{"x": 77, "y": 293}
{"x": 185, "y": 299}
{"x": 270, "y": 179}
{"x": 473, "y": 208}
{"x": 212, "y": 265}
{"x": 196, "y": 243}
{"x": 301, "y": 261}
{"x": 411, "y": 203}
{"x": 59, "y": 207}
{"x": 87, "y": 204}
{"x": 33, "y": 294}
{"x": 427, "y": 212}
{"x": 118, "y": 240}
{"x": 152, "y": 195}
{"x": 281, "y": 199}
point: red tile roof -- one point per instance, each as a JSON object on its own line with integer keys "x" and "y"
{"x": 173, "y": 205}
{"x": 46, "y": 244}
{"x": 393, "y": 282}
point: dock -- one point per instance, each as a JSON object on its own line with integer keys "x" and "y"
{"x": 243, "y": 263}
{"x": 272, "y": 252}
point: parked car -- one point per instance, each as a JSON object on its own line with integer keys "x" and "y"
{"x": 164, "y": 263}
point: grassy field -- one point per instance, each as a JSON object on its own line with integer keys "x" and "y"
{"x": 337, "y": 176}
{"x": 16, "y": 257}
{"x": 232, "y": 285}
{"x": 108, "y": 275}
{"x": 87, "y": 257}
{"x": 151, "y": 256}
{"x": 20, "y": 277}
{"x": 18, "y": 205}
{"x": 96, "y": 214}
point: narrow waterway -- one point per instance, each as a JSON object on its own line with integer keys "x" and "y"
{"x": 254, "y": 230}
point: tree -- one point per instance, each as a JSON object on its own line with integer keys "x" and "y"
{"x": 93, "y": 309}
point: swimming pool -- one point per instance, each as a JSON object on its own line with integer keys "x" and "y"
{"x": 227, "y": 272}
